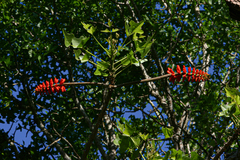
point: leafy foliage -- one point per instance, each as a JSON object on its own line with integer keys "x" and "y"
{"x": 115, "y": 42}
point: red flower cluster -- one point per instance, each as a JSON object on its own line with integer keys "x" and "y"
{"x": 197, "y": 75}
{"x": 50, "y": 87}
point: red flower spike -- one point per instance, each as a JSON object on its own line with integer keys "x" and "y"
{"x": 50, "y": 87}
{"x": 179, "y": 73}
{"x": 44, "y": 87}
{"x": 184, "y": 69}
{"x": 51, "y": 82}
{"x": 47, "y": 83}
{"x": 184, "y": 73}
{"x": 49, "y": 91}
{"x": 169, "y": 71}
{"x": 63, "y": 89}
{"x": 201, "y": 75}
{"x": 178, "y": 69}
{"x": 172, "y": 78}
{"x": 189, "y": 74}
{"x": 57, "y": 88}
{"x": 193, "y": 74}
{"x": 197, "y": 76}
{"x": 62, "y": 81}
{"x": 55, "y": 80}
{"x": 179, "y": 76}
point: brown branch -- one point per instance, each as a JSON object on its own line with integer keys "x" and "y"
{"x": 106, "y": 99}
{"x": 119, "y": 85}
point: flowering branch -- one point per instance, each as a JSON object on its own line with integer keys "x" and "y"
{"x": 196, "y": 75}
{"x": 50, "y": 87}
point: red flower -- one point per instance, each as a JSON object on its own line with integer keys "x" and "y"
{"x": 189, "y": 74}
{"x": 184, "y": 73}
{"x": 55, "y": 80}
{"x": 173, "y": 77}
{"x": 197, "y": 75}
{"x": 62, "y": 81}
{"x": 50, "y": 87}
{"x": 179, "y": 73}
{"x": 193, "y": 75}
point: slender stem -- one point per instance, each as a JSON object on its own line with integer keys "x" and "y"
{"x": 144, "y": 80}
{"x": 93, "y": 55}
{"x": 84, "y": 83}
{"x": 102, "y": 46}
{"x": 106, "y": 99}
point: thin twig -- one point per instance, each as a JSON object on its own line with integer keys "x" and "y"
{"x": 52, "y": 144}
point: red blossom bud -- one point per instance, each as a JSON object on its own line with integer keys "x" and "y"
{"x": 62, "y": 81}
{"x": 51, "y": 82}
{"x": 184, "y": 73}
{"x": 55, "y": 80}
{"x": 197, "y": 75}
{"x": 50, "y": 87}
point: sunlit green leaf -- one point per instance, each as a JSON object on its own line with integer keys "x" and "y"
{"x": 136, "y": 140}
{"x": 168, "y": 132}
{"x": 106, "y": 31}
{"x": 143, "y": 136}
{"x": 79, "y": 42}
{"x": 67, "y": 38}
{"x": 77, "y": 54}
{"x": 90, "y": 29}
{"x": 115, "y": 29}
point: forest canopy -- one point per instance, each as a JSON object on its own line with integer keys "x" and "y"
{"x": 117, "y": 79}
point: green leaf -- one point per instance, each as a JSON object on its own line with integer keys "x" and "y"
{"x": 143, "y": 136}
{"x": 130, "y": 59}
{"x": 225, "y": 110}
{"x": 133, "y": 28}
{"x": 90, "y": 29}
{"x": 115, "y": 30}
{"x": 67, "y": 38}
{"x": 102, "y": 68}
{"x": 144, "y": 48}
{"x": 117, "y": 140}
{"x": 185, "y": 158}
{"x": 77, "y": 54}
{"x": 231, "y": 92}
{"x": 105, "y": 31}
{"x": 120, "y": 126}
{"x": 128, "y": 130}
{"x": 85, "y": 58}
{"x": 195, "y": 156}
{"x": 79, "y": 42}
{"x": 136, "y": 140}
{"x": 135, "y": 154}
{"x": 176, "y": 154}
{"x": 166, "y": 155}
{"x": 124, "y": 144}
{"x": 109, "y": 23}
{"x": 7, "y": 60}
{"x": 168, "y": 132}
